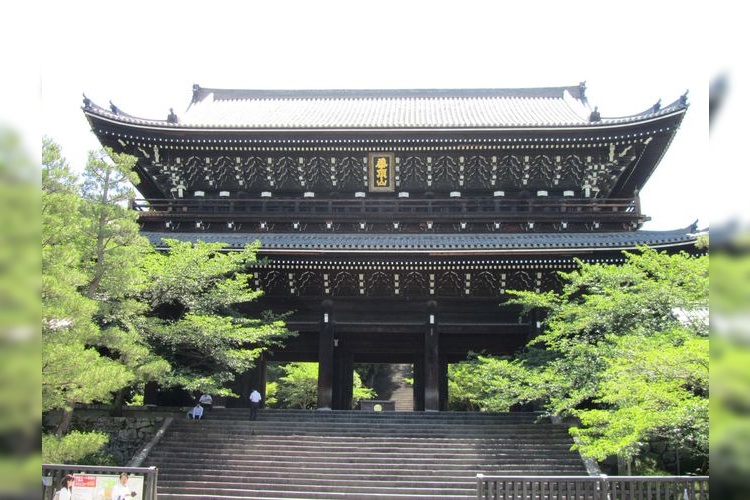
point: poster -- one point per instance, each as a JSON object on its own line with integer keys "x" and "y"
{"x": 99, "y": 486}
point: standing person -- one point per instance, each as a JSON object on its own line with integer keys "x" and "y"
{"x": 207, "y": 401}
{"x": 254, "y": 404}
{"x": 121, "y": 491}
{"x": 66, "y": 488}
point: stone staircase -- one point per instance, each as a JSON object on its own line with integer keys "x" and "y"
{"x": 403, "y": 395}
{"x": 351, "y": 454}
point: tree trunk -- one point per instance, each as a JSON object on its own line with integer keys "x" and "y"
{"x": 65, "y": 420}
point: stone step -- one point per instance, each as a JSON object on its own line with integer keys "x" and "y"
{"x": 267, "y": 472}
{"x": 414, "y": 462}
{"x": 426, "y": 490}
{"x": 372, "y": 428}
{"x": 295, "y": 494}
{"x": 353, "y": 434}
{"x": 308, "y": 454}
{"x": 384, "y": 425}
{"x": 507, "y": 454}
{"x": 278, "y": 415}
{"x": 193, "y": 451}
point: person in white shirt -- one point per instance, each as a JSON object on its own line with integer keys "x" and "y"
{"x": 66, "y": 488}
{"x": 254, "y": 404}
{"x": 196, "y": 413}
{"x": 207, "y": 401}
{"x": 121, "y": 491}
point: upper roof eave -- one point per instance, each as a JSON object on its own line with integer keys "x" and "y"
{"x": 98, "y": 112}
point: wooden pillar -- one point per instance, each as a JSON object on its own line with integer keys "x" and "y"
{"x": 262, "y": 365}
{"x": 343, "y": 379}
{"x": 431, "y": 361}
{"x": 151, "y": 394}
{"x": 325, "y": 358}
{"x": 243, "y": 385}
{"x": 419, "y": 382}
{"x": 443, "y": 377}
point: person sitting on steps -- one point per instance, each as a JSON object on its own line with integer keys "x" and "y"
{"x": 196, "y": 413}
{"x": 206, "y": 401}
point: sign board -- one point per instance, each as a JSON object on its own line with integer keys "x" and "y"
{"x": 381, "y": 174}
{"x": 99, "y": 486}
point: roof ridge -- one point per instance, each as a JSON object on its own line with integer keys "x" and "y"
{"x": 200, "y": 93}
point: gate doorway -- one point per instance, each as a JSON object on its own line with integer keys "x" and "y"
{"x": 390, "y": 381}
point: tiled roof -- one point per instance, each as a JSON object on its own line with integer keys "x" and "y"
{"x": 391, "y": 109}
{"x": 438, "y": 243}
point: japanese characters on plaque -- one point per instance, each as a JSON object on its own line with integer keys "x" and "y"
{"x": 381, "y": 172}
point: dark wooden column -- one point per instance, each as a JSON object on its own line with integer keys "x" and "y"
{"x": 431, "y": 360}
{"x": 243, "y": 385}
{"x": 326, "y": 358}
{"x": 343, "y": 379}
{"x": 443, "y": 376}
{"x": 151, "y": 394}
{"x": 262, "y": 365}
{"x": 419, "y": 382}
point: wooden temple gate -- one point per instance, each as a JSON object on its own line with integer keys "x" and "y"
{"x": 393, "y": 227}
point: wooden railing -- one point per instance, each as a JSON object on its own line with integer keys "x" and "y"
{"x": 592, "y": 487}
{"x": 373, "y": 207}
{"x": 53, "y": 473}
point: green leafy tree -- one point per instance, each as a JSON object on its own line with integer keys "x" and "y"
{"x": 20, "y": 313}
{"x": 116, "y": 313}
{"x": 654, "y": 388}
{"x": 360, "y": 390}
{"x": 194, "y": 294}
{"x": 73, "y": 369}
{"x": 488, "y": 383}
{"x": 298, "y": 387}
{"x": 112, "y": 250}
{"x": 624, "y": 350}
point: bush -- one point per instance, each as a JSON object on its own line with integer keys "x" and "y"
{"x": 73, "y": 447}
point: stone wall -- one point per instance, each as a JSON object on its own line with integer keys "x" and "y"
{"x": 127, "y": 434}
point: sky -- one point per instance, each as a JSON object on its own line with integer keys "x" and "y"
{"x": 145, "y": 57}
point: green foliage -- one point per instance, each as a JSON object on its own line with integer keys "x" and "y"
{"x": 298, "y": 388}
{"x": 487, "y": 383}
{"x": 71, "y": 448}
{"x": 20, "y": 315}
{"x": 656, "y": 387}
{"x": 116, "y": 313}
{"x": 359, "y": 390}
{"x": 272, "y": 390}
{"x": 730, "y": 364}
{"x": 192, "y": 292}
{"x": 74, "y": 370}
{"x": 624, "y": 349}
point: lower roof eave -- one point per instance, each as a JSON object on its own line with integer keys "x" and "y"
{"x": 485, "y": 252}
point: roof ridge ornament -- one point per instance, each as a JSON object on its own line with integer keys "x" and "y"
{"x": 595, "y": 116}
{"x": 656, "y": 107}
{"x": 86, "y": 102}
{"x": 582, "y": 90}
{"x": 196, "y": 91}
{"x": 114, "y": 108}
{"x": 683, "y": 98}
{"x": 172, "y": 117}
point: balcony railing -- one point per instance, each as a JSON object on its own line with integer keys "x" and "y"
{"x": 424, "y": 209}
